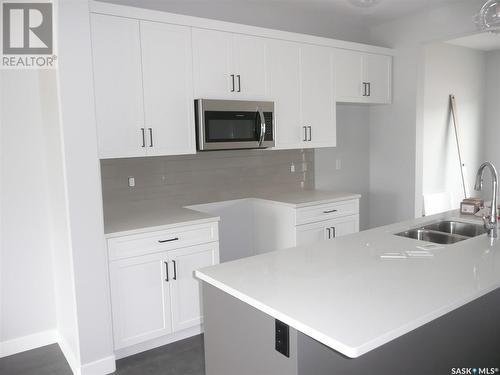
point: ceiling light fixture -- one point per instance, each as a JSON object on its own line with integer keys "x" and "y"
{"x": 488, "y": 18}
{"x": 364, "y": 3}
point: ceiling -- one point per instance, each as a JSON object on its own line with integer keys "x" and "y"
{"x": 382, "y": 11}
{"x": 483, "y": 41}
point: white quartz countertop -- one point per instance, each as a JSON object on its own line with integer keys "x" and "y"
{"x": 144, "y": 216}
{"x": 305, "y": 198}
{"x": 140, "y": 217}
{"x": 347, "y": 295}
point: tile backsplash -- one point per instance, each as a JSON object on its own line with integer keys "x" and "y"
{"x": 206, "y": 176}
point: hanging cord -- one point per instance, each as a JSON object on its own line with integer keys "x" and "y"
{"x": 454, "y": 115}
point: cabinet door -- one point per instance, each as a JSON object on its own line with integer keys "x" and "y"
{"x": 116, "y": 53}
{"x": 186, "y": 296}
{"x": 317, "y": 98}
{"x": 212, "y": 56}
{"x": 348, "y": 76}
{"x": 327, "y": 229}
{"x": 249, "y": 56}
{"x": 283, "y": 66}
{"x": 310, "y": 233}
{"x": 377, "y": 72}
{"x": 140, "y": 297}
{"x": 168, "y": 89}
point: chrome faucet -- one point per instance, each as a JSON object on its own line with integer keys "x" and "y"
{"x": 489, "y": 223}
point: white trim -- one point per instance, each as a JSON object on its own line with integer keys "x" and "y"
{"x": 103, "y": 366}
{"x": 24, "y": 343}
{"x": 155, "y": 343}
{"x": 70, "y": 357}
{"x": 205, "y": 23}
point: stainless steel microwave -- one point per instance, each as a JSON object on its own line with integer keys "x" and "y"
{"x": 234, "y": 124}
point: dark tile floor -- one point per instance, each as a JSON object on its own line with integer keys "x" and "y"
{"x": 184, "y": 357}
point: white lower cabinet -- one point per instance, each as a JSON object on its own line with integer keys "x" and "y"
{"x": 140, "y": 299}
{"x": 185, "y": 289}
{"x": 326, "y": 230}
{"x": 155, "y": 295}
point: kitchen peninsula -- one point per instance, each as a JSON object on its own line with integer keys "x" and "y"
{"x": 370, "y": 302}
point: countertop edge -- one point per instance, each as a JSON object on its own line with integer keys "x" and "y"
{"x": 319, "y": 202}
{"x": 160, "y": 227}
{"x": 349, "y": 351}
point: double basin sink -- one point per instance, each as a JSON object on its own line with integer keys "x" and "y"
{"x": 444, "y": 232}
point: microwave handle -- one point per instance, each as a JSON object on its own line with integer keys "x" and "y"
{"x": 262, "y": 126}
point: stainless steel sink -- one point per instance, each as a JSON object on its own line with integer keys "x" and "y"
{"x": 444, "y": 232}
{"x": 457, "y": 227}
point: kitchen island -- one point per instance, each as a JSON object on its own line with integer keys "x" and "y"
{"x": 370, "y": 302}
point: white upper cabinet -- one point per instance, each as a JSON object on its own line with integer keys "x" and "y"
{"x": 301, "y": 83}
{"x": 143, "y": 87}
{"x": 317, "y": 96}
{"x": 362, "y": 77}
{"x": 348, "y": 75}
{"x": 283, "y": 67}
{"x": 227, "y": 65}
{"x": 168, "y": 89}
{"x": 249, "y": 59}
{"x": 118, "y": 86}
{"x": 147, "y": 75}
{"x": 212, "y": 64}
{"x": 377, "y": 71}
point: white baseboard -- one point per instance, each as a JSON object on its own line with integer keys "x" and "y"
{"x": 155, "y": 343}
{"x": 103, "y": 366}
{"x": 70, "y": 356}
{"x": 21, "y": 344}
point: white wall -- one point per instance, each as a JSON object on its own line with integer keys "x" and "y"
{"x": 27, "y": 303}
{"x": 460, "y": 71}
{"x": 353, "y": 131}
{"x": 397, "y": 130}
{"x": 62, "y": 261}
{"x": 492, "y": 109}
{"x": 271, "y": 14}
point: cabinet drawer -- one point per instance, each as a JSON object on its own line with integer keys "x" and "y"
{"x": 151, "y": 242}
{"x": 327, "y": 211}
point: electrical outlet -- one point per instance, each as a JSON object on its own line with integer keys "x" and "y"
{"x": 131, "y": 181}
{"x": 282, "y": 338}
{"x": 338, "y": 164}
{"x": 292, "y": 168}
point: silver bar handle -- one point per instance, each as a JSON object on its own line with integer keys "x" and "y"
{"x": 305, "y": 134}
{"x": 167, "y": 278}
{"x": 232, "y": 79}
{"x": 262, "y": 126}
{"x": 329, "y": 211}
{"x": 175, "y": 269}
{"x": 239, "y": 82}
{"x": 310, "y": 133}
{"x": 364, "y": 89}
{"x": 150, "y": 137}
{"x": 143, "y": 131}
{"x": 334, "y": 232}
{"x": 369, "y": 89}
{"x": 329, "y": 233}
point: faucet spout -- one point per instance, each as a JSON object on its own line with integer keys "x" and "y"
{"x": 489, "y": 223}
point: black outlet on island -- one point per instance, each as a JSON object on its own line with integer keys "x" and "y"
{"x": 282, "y": 337}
